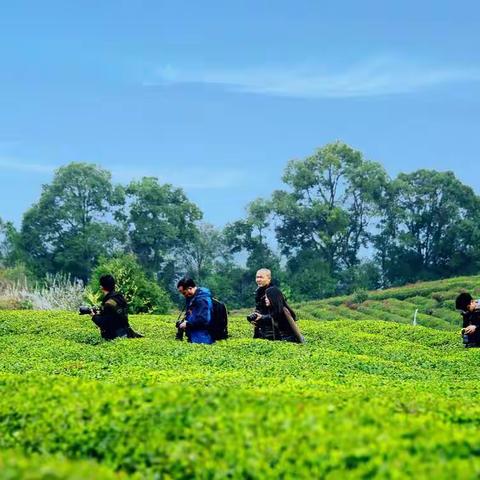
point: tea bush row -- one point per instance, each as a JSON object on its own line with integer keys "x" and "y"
{"x": 435, "y": 302}
{"x": 360, "y": 399}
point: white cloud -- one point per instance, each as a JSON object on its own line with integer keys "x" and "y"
{"x": 15, "y": 165}
{"x": 378, "y": 77}
{"x": 188, "y": 178}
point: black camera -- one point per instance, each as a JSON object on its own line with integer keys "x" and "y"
{"x": 468, "y": 341}
{"x": 252, "y": 317}
{"x": 84, "y": 310}
{"x": 180, "y": 332}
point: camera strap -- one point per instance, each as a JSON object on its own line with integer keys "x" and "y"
{"x": 181, "y": 313}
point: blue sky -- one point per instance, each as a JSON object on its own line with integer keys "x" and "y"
{"x": 216, "y": 97}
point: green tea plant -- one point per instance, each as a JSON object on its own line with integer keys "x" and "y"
{"x": 435, "y": 302}
{"x": 367, "y": 396}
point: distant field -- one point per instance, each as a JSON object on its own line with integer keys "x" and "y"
{"x": 435, "y": 302}
{"x": 368, "y": 396}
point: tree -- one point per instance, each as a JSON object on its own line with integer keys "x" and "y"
{"x": 308, "y": 276}
{"x": 9, "y": 253}
{"x": 250, "y": 235}
{"x": 142, "y": 293}
{"x": 70, "y": 227}
{"x": 429, "y": 228}
{"x": 204, "y": 252}
{"x": 160, "y": 220}
{"x": 233, "y": 284}
{"x": 329, "y": 208}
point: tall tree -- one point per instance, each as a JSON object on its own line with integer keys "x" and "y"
{"x": 203, "y": 252}
{"x": 71, "y": 225}
{"x": 209, "y": 260}
{"x": 160, "y": 221}
{"x": 429, "y": 228}
{"x": 9, "y": 252}
{"x": 251, "y": 235}
{"x": 330, "y": 205}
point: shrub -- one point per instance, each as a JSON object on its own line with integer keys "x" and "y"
{"x": 360, "y": 295}
{"x": 142, "y": 294}
{"x": 361, "y": 399}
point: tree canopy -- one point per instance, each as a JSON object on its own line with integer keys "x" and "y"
{"x": 339, "y": 224}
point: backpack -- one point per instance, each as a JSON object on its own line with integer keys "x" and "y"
{"x": 219, "y": 323}
{"x": 121, "y": 308}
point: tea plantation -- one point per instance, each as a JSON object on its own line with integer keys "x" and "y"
{"x": 365, "y": 397}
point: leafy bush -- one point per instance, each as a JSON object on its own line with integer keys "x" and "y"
{"x": 15, "y": 466}
{"x": 361, "y": 399}
{"x": 14, "y": 304}
{"x": 360, "y": 296}
{"x": 143, "y": 295}
{"x": 439, "y": 297}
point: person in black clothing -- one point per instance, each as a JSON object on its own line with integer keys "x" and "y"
{"x": 112, "y": 320}
{"x": 263, "y": 279}
{"x": 280, "y": 321}
{"x": 470, "y": 310}
{"x": 274, "y": 319}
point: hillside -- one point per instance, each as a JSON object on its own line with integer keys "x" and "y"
{"x": 434, "y": 300}
{"x": 364, "y": 398}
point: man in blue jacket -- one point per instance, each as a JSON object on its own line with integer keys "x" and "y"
{"x": 198, "y": 311}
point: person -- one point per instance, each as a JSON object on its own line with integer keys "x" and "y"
{"x": 281, "y": 319}
{"x": 470, "y": 310}
{"x": 263, "y": 279}
{"x": 112, "y": 319}
{"x": 198, "y": 307}
{"x": 273, "y": 318}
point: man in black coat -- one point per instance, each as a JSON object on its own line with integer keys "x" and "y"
{"x": 470, "y": 310}
{"x": 112, "y": 320}
{"x": 263, "y": 278}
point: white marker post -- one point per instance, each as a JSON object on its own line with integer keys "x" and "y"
{"x": 415, "y": 318}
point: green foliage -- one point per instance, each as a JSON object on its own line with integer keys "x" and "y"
{"x": 360, "y": 296}
{"x": 15, "y": 304}
{"x": 251, "y": 236}
{"x": 330, "y": 205}
{"x": 233, "y": 285}
{"x": 363, "y": 276}
{"x": 309, "y": 277}
{"x": 17, "y": 273}
{"x": 205, "y": 253}
{"x": 17, "y": 466}
{"x": 143, "y": 295}
{"x": 335, "y": 205}
{"x": 429, "y": 228}
{"x": 10, "y": 253}
{"x": 69, "y": 228}
{"x": 160, "y": 219}
{"x": 361, "y": 399}
{"x": 434, "y": 301}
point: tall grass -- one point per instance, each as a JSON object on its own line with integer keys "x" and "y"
{"x": 55, "y": 292}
